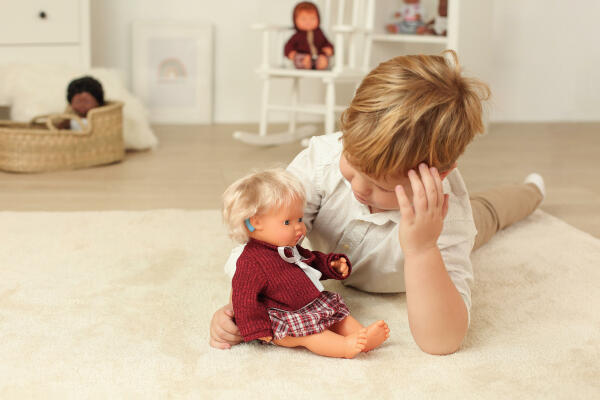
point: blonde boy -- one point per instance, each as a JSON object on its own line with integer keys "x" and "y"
{"x": 387, "y": 193}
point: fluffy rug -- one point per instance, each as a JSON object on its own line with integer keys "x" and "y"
{"x": 37, "y": 89}
{"x": 117, "y": 305}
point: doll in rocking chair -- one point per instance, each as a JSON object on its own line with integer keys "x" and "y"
{"x": 277, "y": 295}
{"x": 308, "y": 48}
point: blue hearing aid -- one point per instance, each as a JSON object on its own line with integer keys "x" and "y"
{"x": 249, "y": 225}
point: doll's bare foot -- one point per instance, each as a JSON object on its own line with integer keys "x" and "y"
{"x": 391, "y": 28}
{"x": 322, "y": 62}
{"x": 377, "y": 333}
{"x": 355, "y": 343}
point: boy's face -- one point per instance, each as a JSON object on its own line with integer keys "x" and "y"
{"x": 307, "y": 20}
{"x": 378, "y": 194}
{"x": 280, "y": 226}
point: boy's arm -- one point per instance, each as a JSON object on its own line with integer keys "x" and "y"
{"x": 437, "y": 314}
{"x": 224, "y": 333}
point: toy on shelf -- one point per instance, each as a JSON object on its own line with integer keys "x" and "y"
{"x": 277, "y": 295}
{"x": 438, "y": 25}
{"x": 308, "y": 48}
{"x": 408, "y": 19}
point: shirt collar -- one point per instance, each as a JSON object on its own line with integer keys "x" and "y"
{"x": 379, "y": 218}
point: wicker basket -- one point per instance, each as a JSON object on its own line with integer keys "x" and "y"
{"x": 37, "y": 147}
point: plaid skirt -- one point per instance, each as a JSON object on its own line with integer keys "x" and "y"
{"x": 315, "y": 317}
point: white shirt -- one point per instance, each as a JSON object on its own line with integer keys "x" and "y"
{"x": 75, "y": 126}
{"x": 410, "y": 12}
{"x": 337, "y": 222}
{"x": 440, "y": 24}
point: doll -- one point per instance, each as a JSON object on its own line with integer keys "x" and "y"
{"x": 410, "y": 18}
{"x": 277, "y": 295}
{"x": 438, "y": 25}
{"x": 83, "y": 94}
{"x": 308, "y": 48}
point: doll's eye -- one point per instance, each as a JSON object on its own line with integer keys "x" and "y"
{"x": 299, "y": 219}
{"x": 286, "y": 222}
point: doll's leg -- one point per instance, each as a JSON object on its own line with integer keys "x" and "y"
{"x": 377, "y": 333}
{"x": 328, "y": 343}
{"x": 302, "y": 61}
{"x": 322, "y": 62}
{"x": 500, "y": 207}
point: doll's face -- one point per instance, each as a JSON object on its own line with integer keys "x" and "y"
{"x": 307, "y": 20}
{"x": 83, "y": 102}
{"x": 281, "y": 226}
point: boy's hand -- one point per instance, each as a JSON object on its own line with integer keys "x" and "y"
{"x": 422, "y": 221}
{"x": 224, "y": 333}
{"x": 340, "y": 266}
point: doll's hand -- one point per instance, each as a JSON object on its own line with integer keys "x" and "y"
{"x": 328, "y": 51}
{"x": 224, "y": 333}
{"x": 340, "y": 266}
{"x": 423, "y": 220}
{"x": 292, "y": 54}
{"x": 266, "y": 338}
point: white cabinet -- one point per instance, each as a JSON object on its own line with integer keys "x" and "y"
{"x": 41, "y": 31}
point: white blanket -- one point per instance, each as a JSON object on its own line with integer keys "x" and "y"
{"x": 36, "y": 89}
{"x": 117, "y": 305}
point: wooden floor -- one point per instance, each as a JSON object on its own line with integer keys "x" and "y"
{"x": 194, "y": 164}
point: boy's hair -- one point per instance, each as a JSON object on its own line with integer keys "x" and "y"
{"x": 256, "y": 194}
{"x": 412, "y": 109}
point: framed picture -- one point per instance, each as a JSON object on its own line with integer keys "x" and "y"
{"x": 172, "y": 70}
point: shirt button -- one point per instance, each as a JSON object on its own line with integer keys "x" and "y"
{"x": 346, "y": 246}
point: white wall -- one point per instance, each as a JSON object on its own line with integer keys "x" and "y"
{"x": 547, "y": 60}
{"x": 546, "y": 53}
{"x": 236, "y": 48}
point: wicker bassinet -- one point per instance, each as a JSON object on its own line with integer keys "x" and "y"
{"x": 37, "y": 146}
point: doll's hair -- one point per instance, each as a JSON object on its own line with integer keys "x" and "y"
{"x": 86, "y": 84}
{"x": 256, "y": 194}
{"x": 305, "y": 6}
{"x": 412, "y": 109}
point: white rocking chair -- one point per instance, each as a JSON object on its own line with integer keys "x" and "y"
{"x": 352, "y": 45}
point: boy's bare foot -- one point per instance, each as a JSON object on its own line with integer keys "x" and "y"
{"x": 355, "y": 343}
{"x": 377, "y": 333}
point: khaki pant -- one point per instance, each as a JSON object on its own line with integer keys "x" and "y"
{"x": 502, "y": 206}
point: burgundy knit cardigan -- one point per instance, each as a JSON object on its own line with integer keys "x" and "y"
{"x": 299, "y": 42}
{"x": 264, "y": 280}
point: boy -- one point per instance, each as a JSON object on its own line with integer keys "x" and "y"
{"x": 387, "y": 193}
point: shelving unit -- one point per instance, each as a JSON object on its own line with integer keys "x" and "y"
{"x": 469, "y": 34}
{"x": 388, "y": 37}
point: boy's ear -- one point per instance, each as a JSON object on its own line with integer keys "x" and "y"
{"x": 444, "y": 174}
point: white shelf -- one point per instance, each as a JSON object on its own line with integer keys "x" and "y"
{"x": 391, "y": 37}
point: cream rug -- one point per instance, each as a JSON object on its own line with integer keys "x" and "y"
{"x": 117, "y": 305}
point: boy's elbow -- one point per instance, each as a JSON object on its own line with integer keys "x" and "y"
{"x": 440, "y": 349}
{"x": 442, "y": 343}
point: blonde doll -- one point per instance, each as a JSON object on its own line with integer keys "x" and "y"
{"x": 277, "y": 295}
